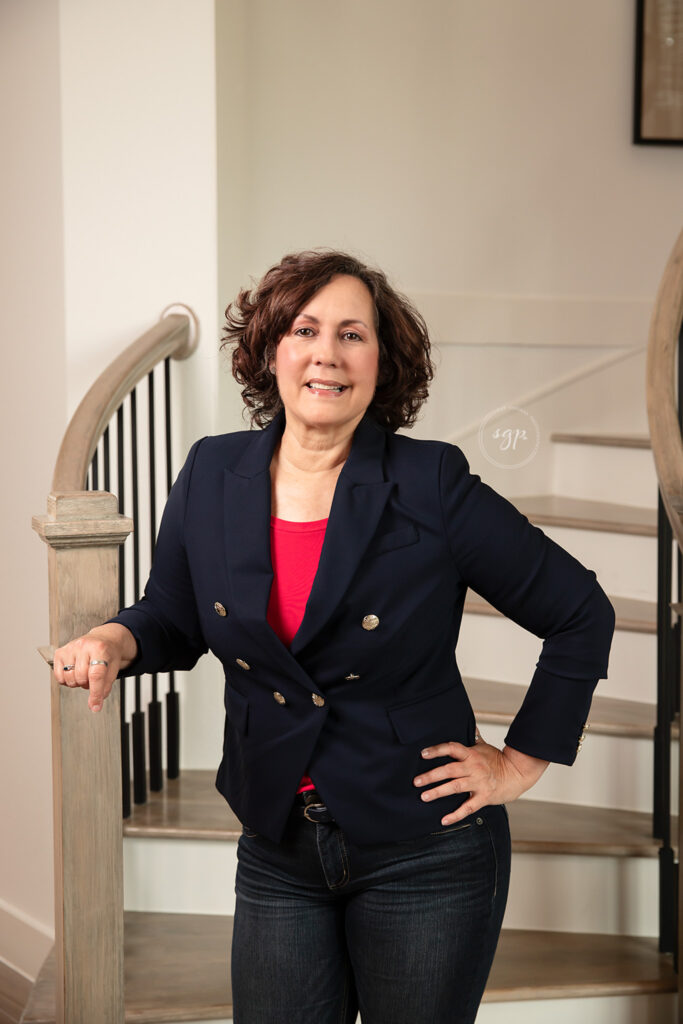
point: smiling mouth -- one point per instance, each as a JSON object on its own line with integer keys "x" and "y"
{"x": 315, "y": 385}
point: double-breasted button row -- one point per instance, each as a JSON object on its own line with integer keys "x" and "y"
{"x": 317, "y": 699}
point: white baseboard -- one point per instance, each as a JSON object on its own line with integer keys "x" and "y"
{"x": 24, "y": 941}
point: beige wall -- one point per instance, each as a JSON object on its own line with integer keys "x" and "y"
{"x": 480, "y": 153}
{"x": 109, "y": 214}
{"x": 32, "y": 418}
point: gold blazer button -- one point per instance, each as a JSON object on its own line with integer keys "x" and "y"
{"x": 243, "y": 664}
{"x": 318, "y": 700}
{"x": 370, "y": 622}
{"x": 219, "y": 609}
{"x": 278, "y": 697}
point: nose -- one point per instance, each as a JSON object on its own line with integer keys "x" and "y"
{"x": 326, "y": 351}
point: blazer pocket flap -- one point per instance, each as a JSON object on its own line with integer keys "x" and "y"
{"x": 396, "y": 539}
{"x": 237, "y": 707}
{"x": 446, "y": 714}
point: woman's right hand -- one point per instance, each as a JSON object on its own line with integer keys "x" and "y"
{"x": 94, "y": 660}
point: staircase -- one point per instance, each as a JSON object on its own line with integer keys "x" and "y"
{"x": 582, "y": 931}
{"x": 581, "y": 923}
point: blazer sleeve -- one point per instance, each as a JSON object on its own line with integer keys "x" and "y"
{"x": 165, "y": 622}
{"x": 539, "y": 585}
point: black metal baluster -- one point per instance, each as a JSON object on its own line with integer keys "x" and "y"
{"x": 172, "y": 702}
{"x": 665, "y": 704}
{"x": 138, "y": 717}
{"x": 125, "y": 728}
{"x": 106, "y": 454}
{"x": 156, "y": 777}
{"x": 94, "y": 469}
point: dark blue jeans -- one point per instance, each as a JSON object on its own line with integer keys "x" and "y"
{"x": 404, "y": 931}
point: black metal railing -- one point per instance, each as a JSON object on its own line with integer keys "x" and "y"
{"x": 137, "y": 452}
{"x": 669, "y": 591}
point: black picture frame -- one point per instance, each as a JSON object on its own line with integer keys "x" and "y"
{"x": 658, "y": 78}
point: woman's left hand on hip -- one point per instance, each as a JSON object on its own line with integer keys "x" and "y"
{"x": 489, "y": 775}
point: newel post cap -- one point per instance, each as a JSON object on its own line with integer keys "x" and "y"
{"x": 82, "y": 519}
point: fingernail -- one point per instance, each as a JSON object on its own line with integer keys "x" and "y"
{"x": 96, "y": 707}
{"x": 426, "y": 796}
{"x": 426, "y": 752}
{"x": 418, "y": 780}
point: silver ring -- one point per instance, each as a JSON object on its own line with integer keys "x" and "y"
{"x": 98, "y": 661}
{"x": 69, "y": 668}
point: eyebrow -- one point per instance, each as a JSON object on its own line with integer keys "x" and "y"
{"x": 342, "y": 323}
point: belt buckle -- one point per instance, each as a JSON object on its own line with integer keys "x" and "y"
{"x": 313, "y": 807}
{"x": 312, "y": 802}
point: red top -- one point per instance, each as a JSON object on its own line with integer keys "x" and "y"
{"x": 295, "y": 552}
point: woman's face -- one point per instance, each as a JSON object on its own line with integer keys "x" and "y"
{"x": 326, "y": 364}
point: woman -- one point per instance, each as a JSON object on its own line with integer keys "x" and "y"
{"x": 325, "y": 560}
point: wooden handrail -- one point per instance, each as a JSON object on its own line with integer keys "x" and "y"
{"x": 662, "y": 403}
{"x": 175, "y": 335}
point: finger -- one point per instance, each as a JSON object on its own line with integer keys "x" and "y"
{"x": 451, "y": 749}
{"x": 451, "y": 788}
{"x": 101, "y": 680}
{"x": 81, "y": 671}
{"x": 452, "y": 770}
{"x": 464, "y": 811}
{"x": 68, "y": 670}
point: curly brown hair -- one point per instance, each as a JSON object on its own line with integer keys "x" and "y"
{"x": 258, "y": 319}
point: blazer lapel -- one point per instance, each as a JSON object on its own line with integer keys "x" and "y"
{"x": 247, "y": 526}
{"x": 359, "y": 500}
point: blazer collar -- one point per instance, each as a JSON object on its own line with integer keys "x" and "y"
{"x": 364, "y": 464}
{"x": 359, "y": 500}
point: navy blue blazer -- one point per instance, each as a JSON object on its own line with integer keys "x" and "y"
{"x": 410, "y": 529}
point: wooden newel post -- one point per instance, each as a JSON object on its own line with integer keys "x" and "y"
{"x": 83, "y": 531}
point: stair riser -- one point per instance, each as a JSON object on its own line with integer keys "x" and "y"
{"x": 609, "y": 771}
{"x": 601, "y": 473}
{"x": 580, "y": 893}
{"x": 625, "y": 563}
{"x": 606, "y": 895}
{"x": 605, "y": 1010}
{"x": 492, "y": 647}
{"x": 183, "y": 876}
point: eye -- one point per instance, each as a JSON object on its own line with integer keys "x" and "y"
{"x": 300, "y": 331}
{"x": 351, "y": 336}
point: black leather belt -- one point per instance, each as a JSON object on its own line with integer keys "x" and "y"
{"x": 311, "y": 806}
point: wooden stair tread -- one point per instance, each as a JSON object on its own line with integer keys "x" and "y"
{"x": 582, "y": 514}
{"x": 541, "y": 826}
{"x": 177, "y": 968}
{"x": 498, "y": 703}
{"x": 597, "y": 438}
{"x": 566, "y": 965}
{"x": 632, "y": 614}
{"x": 191, "y": 808}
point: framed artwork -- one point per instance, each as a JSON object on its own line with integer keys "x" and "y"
{"x": 658, "y": 101}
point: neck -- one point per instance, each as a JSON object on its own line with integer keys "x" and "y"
{"x": 314, "y": 451}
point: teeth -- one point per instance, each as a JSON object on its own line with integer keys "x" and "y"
{"x": 326, "y": 387}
